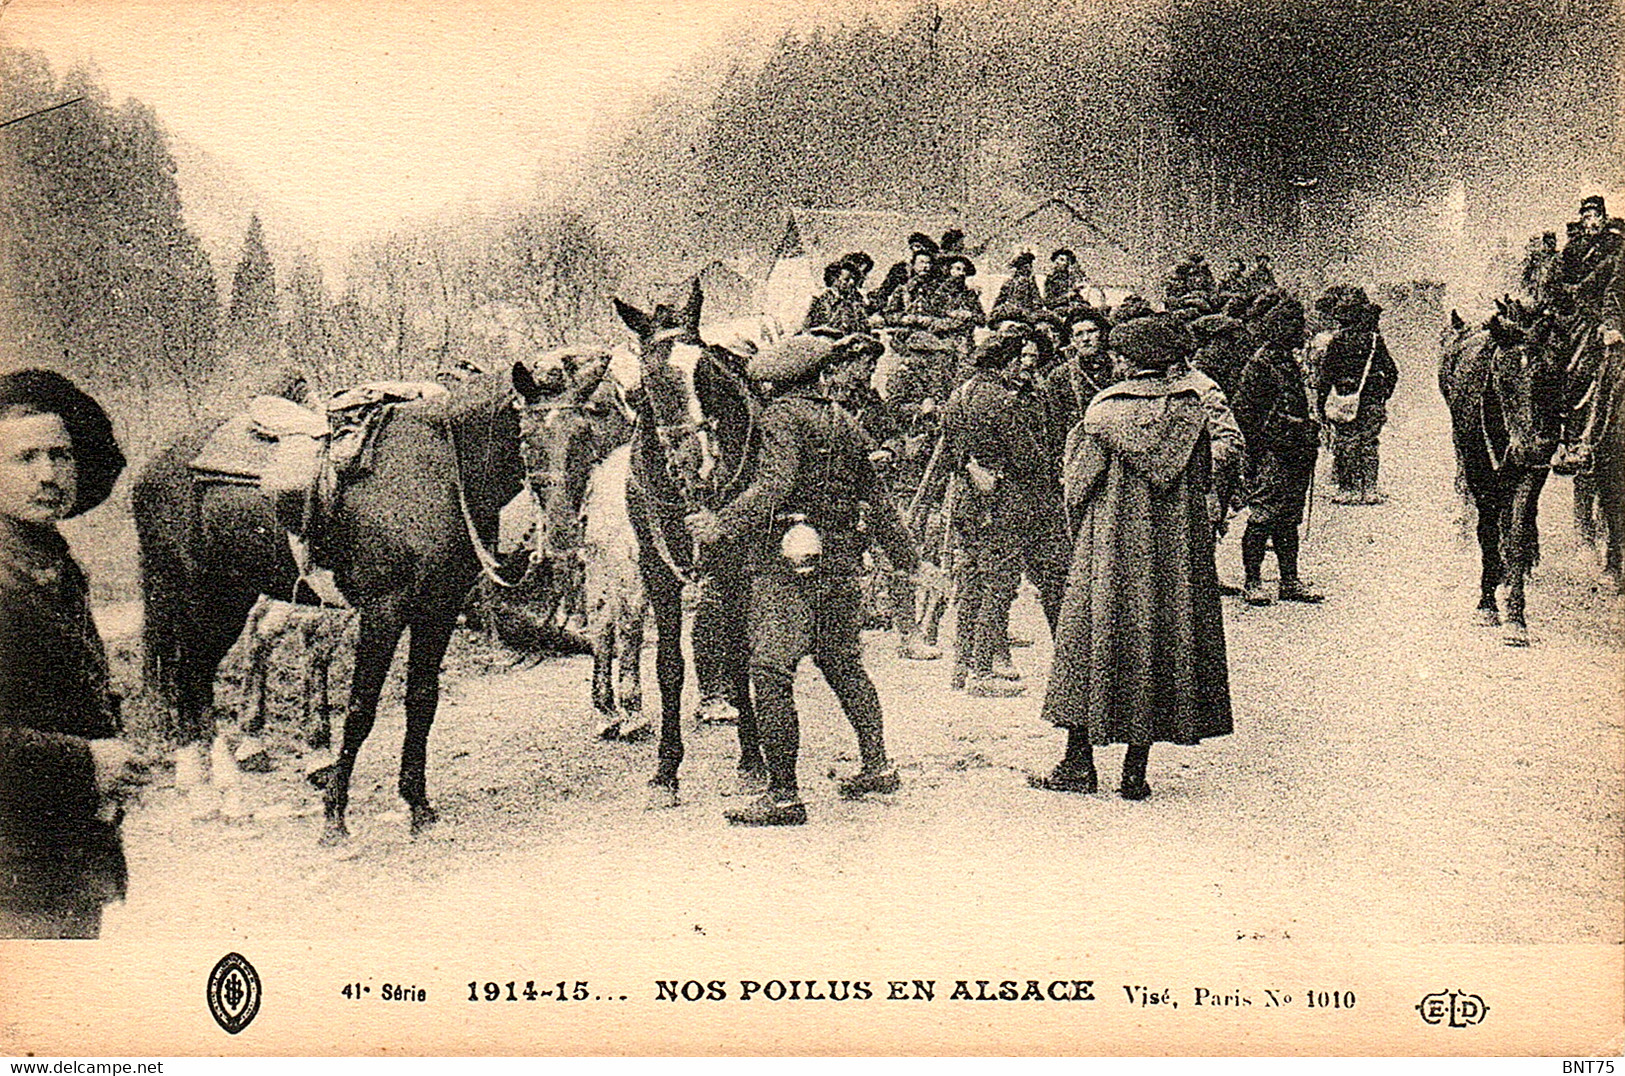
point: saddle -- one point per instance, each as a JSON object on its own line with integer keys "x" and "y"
{"x": 300, "y": 458}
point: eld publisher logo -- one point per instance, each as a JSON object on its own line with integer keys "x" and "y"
{"x": 234, "y": 993}
{"x": 1453, "y": 1009}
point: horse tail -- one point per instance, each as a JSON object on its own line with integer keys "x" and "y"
{"x": 159, "y": 503}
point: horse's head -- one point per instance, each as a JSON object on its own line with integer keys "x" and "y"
{"x": 1526, "y": 374}
{"x": 671, "y": 351}
{"x": 565, "y": 426}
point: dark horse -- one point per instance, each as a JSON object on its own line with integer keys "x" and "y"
{"x": 695, "y": 445}
{"x": 400, "y": 543}
{"x": 1503, "y": 385}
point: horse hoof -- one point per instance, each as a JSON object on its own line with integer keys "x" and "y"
{"x": 1487, "y": 618}
{"x": 610, "y": 731}
{"x": 661, "y": 798}
{"x": 637, "y": 732}
{"x": 334, "y": 834}
{"x": 1515, "y": 634}
{"x": 718, "y": 711}
{"x": 423, "y": 816}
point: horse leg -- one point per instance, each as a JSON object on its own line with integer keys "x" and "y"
{"x": 666, "y": 597}
{"x": 381, "y": 627}
{"x": 431, "y": 634}
{"x": 210, "y": 636}
{"x": 1489, "y": 549}
{"x": 752, "y": 762}
{"x": 1521, "y": 551}
{"x": 629, "y": 688}
{"x": 603, "y": 679}
{"x": 1585, "y": 508}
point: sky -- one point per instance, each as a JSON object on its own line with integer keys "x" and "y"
{"x": 353, "y": 115}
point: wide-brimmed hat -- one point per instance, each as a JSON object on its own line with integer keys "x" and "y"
{"x": 920, "y": 239}
{"x": 855, "y": 346}
{"x": 795, "y": 358}
{"x": 860, "y": 262}
{"x": 1064, "y": 252}
{"x": 970, "y": 266}
{"x": 97, "y": 454}
{"x": 1154, "y": 342}
{"x": 1024, "y": 260}
{"x": 1131, "y": 308}
{"x": 921, "y": 340}
{"x": 1594, "y": 201}
{"x": 835, "y": 269}
{"x": 953, "y": 241}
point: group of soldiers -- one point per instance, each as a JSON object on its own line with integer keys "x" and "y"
{"x": 953, "y": 477}
{"x": 1584, "y": 286}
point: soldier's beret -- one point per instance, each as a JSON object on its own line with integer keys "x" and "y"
{"x": 921, "y": 240}
{"x": 792, "y": 359}
{"x": 94, "y": 448}
{"x": 1064, "y": 253}
{"x": 1594, "y": 201}
{"x": 924, "y": 341}
{"x": 1023, "y": 260}
{"x": 1154, "y": 342}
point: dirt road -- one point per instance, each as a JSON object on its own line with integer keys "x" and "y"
{"x": 1397, "y": 775}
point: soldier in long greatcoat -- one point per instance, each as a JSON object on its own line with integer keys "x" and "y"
{"x": 1139, "y": 647}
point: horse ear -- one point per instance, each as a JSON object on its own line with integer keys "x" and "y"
{"x": 691, "y": 309}
{"x": 1456, "y": 323}
{"x": 524, "y": 383}
{"x": 635, "y": 319}
{"x": 588, "y": 375}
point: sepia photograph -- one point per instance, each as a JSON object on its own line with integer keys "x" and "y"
{"x": 1037, "y": 528}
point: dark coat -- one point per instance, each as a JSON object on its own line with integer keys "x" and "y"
{"x": 1344, "y": 362}
{"x": 1139, "y": 648}
{"x": 834, "y": 309}
{"x": 57, "y": 854}
{"x": 1066, "y": 393}
{"x": 1019, "y": 297}
{"x": 1283, "y": 439}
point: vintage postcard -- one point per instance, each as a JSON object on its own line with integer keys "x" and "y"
{"x": 698, "y": 527}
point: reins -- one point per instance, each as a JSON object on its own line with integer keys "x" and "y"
{"x": 489, "y": 565}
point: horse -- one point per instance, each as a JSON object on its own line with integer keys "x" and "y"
{"x": 406, "y": 540}
{"x": 1608, "y": 471}
{"x": 695, "y": 445}
{"x": 1503, "y": 385}
{"x": 617, "y": 607}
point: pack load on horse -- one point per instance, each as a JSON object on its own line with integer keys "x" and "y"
{"x": 403, "y": 524}
{"x": 1503, "y": 384}
{"x": 694, "y": 446}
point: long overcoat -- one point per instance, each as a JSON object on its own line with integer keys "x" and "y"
{"x": 1139, "y": 649}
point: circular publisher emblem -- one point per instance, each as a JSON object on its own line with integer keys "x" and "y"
{"x": 234, "y": 993}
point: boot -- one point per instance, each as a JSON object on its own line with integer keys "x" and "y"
{"x": 1292, "y": 588}
{"x": 1254, "y": 593}
{"x": 1253, "y": 542}
{"x": 882, "y": 778}
{"x": 961, "y": 673}
{"x": 913, "y": 647}
{"x": 1135, "y": 786}
{"x": 1076, "y": 770}
{"x": 770, "y": 809}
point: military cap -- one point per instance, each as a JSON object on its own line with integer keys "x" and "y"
{"x": 1154, "y": 342}
{"x": 1594, "y": 201}
{"x": 1064, "y": 253}
{"x": 95, "y": 451}
{"x": 970, "y": 266}
{"x": 795, "y": 358}
{"x": 919, "y": 240}
{"x": 953, "y": 241}
{"x": 834, "y": 269}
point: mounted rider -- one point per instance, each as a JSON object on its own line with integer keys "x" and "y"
{"x": 1590, "y": 297}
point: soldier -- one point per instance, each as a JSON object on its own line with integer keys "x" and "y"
{"x": 1234, "y": 282}
{"x": 799, "y": 518}
{"x": 1591, "y": 296}
{"x": 1019, "y": 297}
{"x": 1356, "y": 360}
{"x": 1006, "y": 508}
{"x": 1084, "y": 371}
{"x": 1062, "y": 280}
{"x": 850, "y": 382}
{"x": 1220, "y": 350}
{"x": 840, "y": 307}
{"x": 1282, "y": 441}
{"x": 1262, "y": 277}
{"x": 918, "y": 243}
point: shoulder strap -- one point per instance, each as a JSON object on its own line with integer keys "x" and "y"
{"x": 1369, "y": 358}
